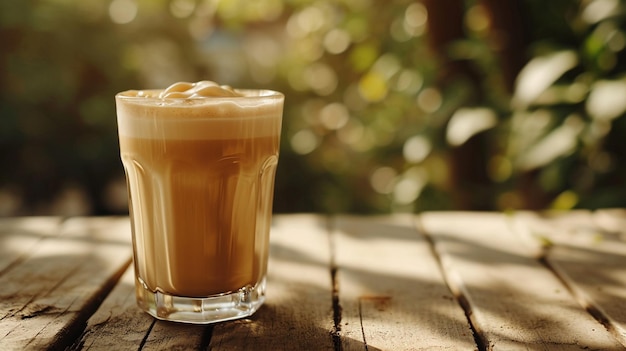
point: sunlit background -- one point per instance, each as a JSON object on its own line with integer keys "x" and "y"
{"x": 392, "y": 106}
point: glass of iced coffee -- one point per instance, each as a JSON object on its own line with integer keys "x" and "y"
{"x": 200, "y": 161}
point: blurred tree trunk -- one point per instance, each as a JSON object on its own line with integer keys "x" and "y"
{"x": 508, "y": 36}
{"x": 470, "y": 182}
{"x": 445, "y": 26}
{"x": 468, "y": 161}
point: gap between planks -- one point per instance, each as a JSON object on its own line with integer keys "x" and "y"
{"x": 496, "y": 245}
{"x": 391, "y": 291}
{"x": 459, "y": 296}
{"x": 556, "y": 235}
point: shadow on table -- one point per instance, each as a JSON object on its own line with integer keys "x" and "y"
{"x": 511, "y": 293}
{"x": 53, "y": 275}
{"x": 393, "y": 285}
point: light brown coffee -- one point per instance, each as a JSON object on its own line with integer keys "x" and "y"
{"x": 201, "y": 176}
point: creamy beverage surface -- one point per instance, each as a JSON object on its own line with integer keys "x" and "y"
{"x": 200, "y": 161}
{"x": 181, "y": 110}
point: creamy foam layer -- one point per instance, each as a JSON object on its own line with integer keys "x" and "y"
{"x": 202, "y": 110}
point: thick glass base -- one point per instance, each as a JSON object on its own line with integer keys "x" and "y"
{"x": 211, "y": 309}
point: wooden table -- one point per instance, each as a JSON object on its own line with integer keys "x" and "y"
{"x": 433, "y": 281}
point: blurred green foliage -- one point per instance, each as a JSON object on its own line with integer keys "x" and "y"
{"x": 375, "y": 120}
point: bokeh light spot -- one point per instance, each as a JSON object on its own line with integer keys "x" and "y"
{"x": 598, "y": 10}
{"x": 409, "y": 81}
{"x": 415, "y": 18}
{"x": 336, "y": 41}
{"x": 182, "y": 8}
{"x": 310, "y": 19}
{"x": 467, "y": 122}
{"x": 304, "y": 142}
{"x": 416, "y": 148}
{"x": 321, "y": 78}
{"x": 398, "y": 32}
{"x": 352, "y": 132}
{"x": 334, "y": 116}
{"x": 363, "y": 56}
{"x": 540, "y": 73}
{"x": 409, "y": 185}
{"x": 123, "y": 11}
{"x": 382, "y": 180}
{"x": 373, "y": 87}
{"x": 607, "y": 99}
{"x": 476, "y": 19}
{"x": 387, "y": 65}
{"x": 429, "y": 100}
{"x": 565, "y": 201}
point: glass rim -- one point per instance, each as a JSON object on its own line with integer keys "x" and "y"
{"x": 248, "y": 94}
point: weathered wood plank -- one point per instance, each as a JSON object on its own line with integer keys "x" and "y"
{"x": 54, "y": 273}
{"x": 49, "y": 295}
{"x": 177, "y": 336}
{"x": 298, "y": 313}
{"x": 118, "y": 324}
{"x": 20, "y": 236}
{"x": 516, "y": 303}
{"x": 588, "y": 252}
{"x": 391, "y": 289}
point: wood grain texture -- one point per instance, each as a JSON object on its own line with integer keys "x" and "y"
{"x": 20, "y": 236}
{"x": 176, "y": 336}
{"x": 118, "y": 324}
{"x": 588, "y": 252}
{"x": 520, "y": 281}
{"x": 298, "y": 312}
{"x": 515, "y": 302}
{"x": 391, "y": 289}
{"x": 53, "y": 291}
